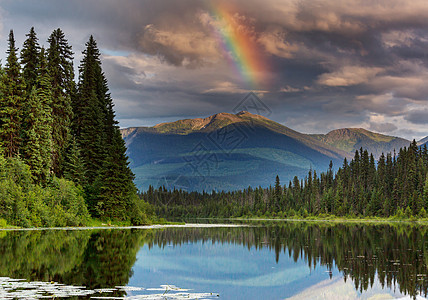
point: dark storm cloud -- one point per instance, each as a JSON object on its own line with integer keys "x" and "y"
{"x": 417, "y": 116}
{"x": 332, "y": 63}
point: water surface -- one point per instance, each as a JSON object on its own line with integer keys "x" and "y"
{"x": 273, "y": 260}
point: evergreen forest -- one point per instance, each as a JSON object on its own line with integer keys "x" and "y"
{"x": 62, "y": 157}
{"x": 394, "y": 186}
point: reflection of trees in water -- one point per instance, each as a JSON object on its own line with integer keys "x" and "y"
{"x": 41, "y": 255}
{"x": 100, "y": 259}
{"x": 398, "y": 255}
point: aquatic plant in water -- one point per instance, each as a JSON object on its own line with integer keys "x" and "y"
{"x": 11, "y": 288}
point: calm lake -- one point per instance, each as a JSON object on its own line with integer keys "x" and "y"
{"x": 271, "y": 260}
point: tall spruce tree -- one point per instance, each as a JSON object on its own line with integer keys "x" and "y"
{"x": 37, "y": 151}
{"x": 277, "y": 193}
{"x": 111, "y": 193}
{"x": 30, "y": 59}
{"x": 117, "y": 198}
{"x": 89, "y": 113}
{"x": 60, "y": 67}
{"x": 425, "y": 193}
{"x": 74, "y": 168}
{"x": 2, "y": 94}
{"x": 31, "y": 108}
{"x": 11, "y": 102}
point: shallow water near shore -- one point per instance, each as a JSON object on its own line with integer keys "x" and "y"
{"x": 264, "y": 260}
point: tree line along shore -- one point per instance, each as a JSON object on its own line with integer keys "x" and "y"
{"x": 394, "y": 187}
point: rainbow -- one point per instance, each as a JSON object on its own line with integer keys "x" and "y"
{"x": 239, "y": 45}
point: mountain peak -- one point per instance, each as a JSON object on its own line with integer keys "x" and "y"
{"x": 210, "y": 123}
{"x": 351, "y": 139}
{"x": 243, "y": 112}
{"x": 423, "y": 141}
{"x": 249, "y": 155}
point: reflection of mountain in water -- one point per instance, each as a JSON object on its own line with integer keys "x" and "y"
{"x": 366, "y": 254}
{"x": 397, "y": 254}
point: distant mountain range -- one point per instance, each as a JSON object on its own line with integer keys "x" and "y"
{"x": 352, "y": 139}
{"x": 233, "y": 151}
{"x": 423, "y": 142}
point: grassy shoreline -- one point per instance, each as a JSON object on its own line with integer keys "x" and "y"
{"x": 155, "y": 226}
{"x": 331, "y": 218}
{"x": 99, "y": 224}
{"x": 95, "y": 224}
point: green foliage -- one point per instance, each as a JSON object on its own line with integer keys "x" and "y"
{"x": 396, "y": 188}
{"x": 91, "y": 258}
{"x": 109, "y": 185}
{"x": 25, "y": 204}
{"x": 36, "y": 149}
{"x": 74, "y": 168}
{"x": 68, "y": 200}
{"x": 423, "y": 213}
{"x": 53, "y": 167}
{"x": 408, "y": 212}
{"x": 89, "y": 113}
{"x": 30, "y": 59}
{"x": 60, "y": 68}
{"x": 425, "y": 198}
{"x": 12, "y": 86}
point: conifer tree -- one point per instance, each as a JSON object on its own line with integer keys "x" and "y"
{"x": 44, "y": 95}
{"x": 89, "y": 112}
{"x": 30, "y": 62}
{"x": 117, "y": 190}
{"x": 30, "y": 59}
{"x": 277, "y": 193}
{"x": 40, "y": 135}
{"x": 111, "y": 193}
{"x": 74, "y": 168}
{"x": 425, "y": 198}
{"x": 31, "y": 150}
{"x": 60, "y": 67}
{"x": 11, "y": 100}
{"x": 2, "y": 102}
{"x": 37, "y": 150}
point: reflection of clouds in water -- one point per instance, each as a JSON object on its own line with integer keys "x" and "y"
{"x": 229, "y": 268}
{"x": 159, "y": 263}
{"x": 268, "y": 280}
{"x": 228, "y": 262}
{"x": 222, "y": 265}
{"x": 338, "y": 289}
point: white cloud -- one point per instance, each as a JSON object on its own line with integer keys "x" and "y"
{"x": 226, "y": 87}
{"x": 349, "y": 75}
{"x": 289, "y": 89}
{"x": 276, "y": 43}
{"x": 395, "y": 38}
{"x": 188, "y": 44}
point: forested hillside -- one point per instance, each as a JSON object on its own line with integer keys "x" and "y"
{"x": 62, "y": 156}
{"x": 396, "y": 186}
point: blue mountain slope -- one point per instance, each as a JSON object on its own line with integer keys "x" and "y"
{"x": 223, "y": 152}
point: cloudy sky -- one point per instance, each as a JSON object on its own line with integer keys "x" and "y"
{"x": 317, "y": 65}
